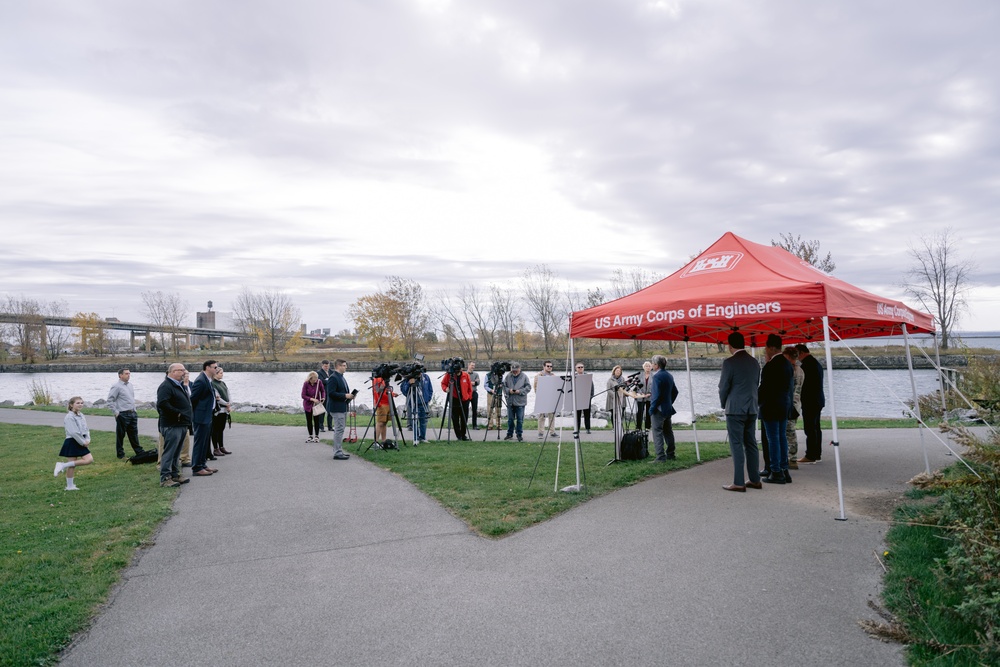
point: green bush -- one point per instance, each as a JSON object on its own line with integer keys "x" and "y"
{"x": 945, "y": 590}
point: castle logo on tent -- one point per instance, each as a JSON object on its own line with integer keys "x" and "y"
{"x": 713, "y": 263}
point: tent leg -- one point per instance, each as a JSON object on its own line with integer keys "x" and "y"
{"x": 916, "y": 400}
{"x": 833, "y": 414}
{"x": 694, "y": 420}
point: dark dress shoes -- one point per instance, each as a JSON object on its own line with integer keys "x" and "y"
{"x": 734, "y": 487}
{"x": 754, "y": 485}
{"x": 225, "y": 451}
{"x": 775, "y": 479}
{"x": 788, "y": 478}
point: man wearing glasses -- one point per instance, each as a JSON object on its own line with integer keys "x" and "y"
{"x": 551, "y": 416}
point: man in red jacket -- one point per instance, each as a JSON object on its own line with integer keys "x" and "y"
{"x": 460, "y": 396}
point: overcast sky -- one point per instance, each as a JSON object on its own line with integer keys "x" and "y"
{"x": 319, "y": 146}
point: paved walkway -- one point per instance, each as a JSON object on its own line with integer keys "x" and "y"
{"x": 288, "y": 557}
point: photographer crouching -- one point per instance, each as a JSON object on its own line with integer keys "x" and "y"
{"x": 457, "y": 384}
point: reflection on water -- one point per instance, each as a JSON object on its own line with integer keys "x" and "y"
{"x": 858, "y": 393}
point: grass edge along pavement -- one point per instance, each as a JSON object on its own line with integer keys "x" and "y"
{"x": 63, "y": 552}
{"x": 941, "y": 590}
{"x": 486, "y": 485}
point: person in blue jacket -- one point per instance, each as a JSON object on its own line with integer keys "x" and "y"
{"x": 417, "y": 404}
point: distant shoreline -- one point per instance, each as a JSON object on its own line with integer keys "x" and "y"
{"x": 888, "y": 362}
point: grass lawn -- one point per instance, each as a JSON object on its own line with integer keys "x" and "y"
{"x": 63, "y": 551}
{"x": 487, "y": 485}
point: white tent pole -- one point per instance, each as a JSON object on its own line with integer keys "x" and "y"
{"x": 694, "y": 421}
{"x": 916, "y": 400}
{"x": 833, "y": 414}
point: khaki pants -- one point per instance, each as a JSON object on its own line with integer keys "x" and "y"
{"x": 185, "y": 449}
{"x": 551, "y": 416}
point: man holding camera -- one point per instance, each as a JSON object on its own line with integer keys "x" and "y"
{"x": 516, "y": 387}
{"x": 458, "y": 385}
{"x": 339, "y": 396}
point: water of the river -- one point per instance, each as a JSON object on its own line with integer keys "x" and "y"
{"x": 858, "y": 393}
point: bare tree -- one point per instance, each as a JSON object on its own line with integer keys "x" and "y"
{"x": 507, "y": 311}
{"x": 939, "y": 280}
{"x": 625, "y": 282}
{"x": 57, "y": 339}
{"x": 545, "y": 302}
{"x": 806, "y": 250}
{"x": 595, "y": 297}
{"x": 26, "y": 330}
{"x": 165, "y": 311}
{"x": 453, "y": 314}
{"x": 271, "y": 320}
{"x": 410, "y": 316}
{"x": 482, "y": 315}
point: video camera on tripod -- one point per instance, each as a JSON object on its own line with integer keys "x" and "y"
{"x": 499, "y": 368}
{"x": 385, "y": 371}
{"x": 401, "y": 372}
{"x": 453, "y": 365}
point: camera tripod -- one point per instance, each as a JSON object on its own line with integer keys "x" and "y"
{"x": 393, "y": 418}
{"x": 494, "y": 401}
{"x": 459, "y": 419}
{"x": 416, "y": 406}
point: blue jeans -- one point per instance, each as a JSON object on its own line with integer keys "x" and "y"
{"x": 420, "y": 421}
{"x": 777, "y": 444}
{"x": 743, "y": 447}
{"x": 515, "y": 419}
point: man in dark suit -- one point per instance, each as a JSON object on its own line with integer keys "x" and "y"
{"x": 325, "y": 373}
{"x": 203, "y": 405}
{"x": 174, "y": 407}
{"x": 661, "y": 408}
{"x": 777, "y": 383}
{"x": 738, "y": 395}
{"x": 813, "y": 402}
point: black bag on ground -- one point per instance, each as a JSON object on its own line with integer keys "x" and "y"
{"x": 147, "y": 456}
{"x": 635, "y": 446}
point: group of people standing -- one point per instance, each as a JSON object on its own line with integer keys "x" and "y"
{"x": 325, "y": 392}
{"x": 200, "y": 409}
{"x": 789, "y": 384}
{"x": 192, "y": 412}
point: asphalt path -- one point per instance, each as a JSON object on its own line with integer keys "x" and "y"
{"x": 289, "y": 557}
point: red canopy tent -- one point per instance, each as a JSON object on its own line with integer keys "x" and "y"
{"x": 757, "y": 289}
{"x": 738, "y": 285}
